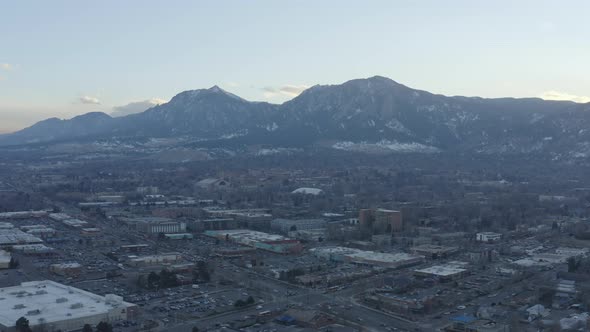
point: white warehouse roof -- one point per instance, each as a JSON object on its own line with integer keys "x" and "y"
{"x": 50, "y": 302}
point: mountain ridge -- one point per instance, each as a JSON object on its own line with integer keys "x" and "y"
{"x": 374, "y": 110}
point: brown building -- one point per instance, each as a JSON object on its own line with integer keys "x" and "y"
{"x": 381, "y": 221}
{"x": 388, "y": 221}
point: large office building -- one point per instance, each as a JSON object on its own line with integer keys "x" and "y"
{"x": 59, "y": 307}
{"x": 381, "y": 221}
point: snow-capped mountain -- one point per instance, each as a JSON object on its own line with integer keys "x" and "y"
{"x": 365, "y": 113}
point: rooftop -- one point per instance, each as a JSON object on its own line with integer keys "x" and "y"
{"x": 48, "y": 301}
{"x": 442, "y": 270}
{"x": 11, "y": 236}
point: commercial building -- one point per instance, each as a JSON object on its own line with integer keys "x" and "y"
{"x": 387, "y": 221}
{"x": 179, "y": 236}
{"x": 472, "y": 324}
{"x": 59, "y": 307}
{"x": 134, "y": 248}
{"x": 5, "y": 258}
{"x": 66, "y": 269}
{"x": 42, "y": 232}
{"x": 443, "y": 273}
{"x": 156, "y": 225}
{"x": 213, "y": 224}
{"x": 13, "y": 236}
{"x": 37, "y": 249}
{"x": 381, "y": 221}
{"x": 5, "y": 225}
{"x": 288, "y": 225}
{"x": 259, "y": 240}
{"x": 371, "y": 258}
{"x": 75, "y": 223}
{"x": 154, "y": 259}
{"x": 23, "y": 214}
{"x": 488, "y": 237}
{"x": 433, "y": 251}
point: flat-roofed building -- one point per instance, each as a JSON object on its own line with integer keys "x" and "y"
{"x": 362, "y": 257}
{"x": 66, "y": 269}
{"x": 154, "y": 259}
{"x": 488, "y": 237}
{"x": 14, "y": 236}
{"x": 259, "y": 240}
{"x": 443, "y": 273}
{"x": 433, "y": 251}
{"x": 157, "y": 225}
{"x": 5, "y": 258}
{"x": 23, "y": 214}
{"x": 38, "y": 249}
{"x": 59, "y": 307}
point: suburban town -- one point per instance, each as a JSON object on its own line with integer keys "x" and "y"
{"x": 191, "y": 247}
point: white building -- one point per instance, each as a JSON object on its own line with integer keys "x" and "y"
{"x": 443, "y": 272}
{"x": 4, "y": 259}
{"x": 59, "y": 307}
{"x": 14, "y": 236}
{"x": 154, "y": 259}
{"x": 488, "y": 236}
{"x": 372, "y": 258}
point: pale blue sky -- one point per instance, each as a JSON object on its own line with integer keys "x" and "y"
{"x": 61, "y": 58}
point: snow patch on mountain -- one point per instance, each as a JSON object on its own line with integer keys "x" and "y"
{"x": 385, "y": 146}
{"x": 238, "y": 133}
{"x": 397, "y": 126}
{"x": 276, "y": 151}
{"x": 272, "y": 127}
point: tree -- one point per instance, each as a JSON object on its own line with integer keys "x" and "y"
{"x": 22, "y": 325}
{"x": 195, "y": 329}
{"x": 87, "y": 328}
{"x": 239, "y": 303}
{"x": 13, "y": 264}
{"x": 250, "y": 300}
{"x": 572, "y": 264}
{"x": 104, "y": 327}
{"x": 153, "y": 280}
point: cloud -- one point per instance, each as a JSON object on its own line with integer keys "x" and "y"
{"x": 6, "y": 66}
{"x": 136, "y": 107}
{"x": 556, "y": 95}
{"x": 289, "y": 91}
{"x": 89, "y": 100}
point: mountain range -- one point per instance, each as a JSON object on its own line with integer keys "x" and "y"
{"x": 374, "y": 114}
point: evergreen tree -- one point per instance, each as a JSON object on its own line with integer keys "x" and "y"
{"x": 22, "y": 325}
{"x": 104, "y": 327}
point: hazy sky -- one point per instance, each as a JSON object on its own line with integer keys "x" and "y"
{"x": 62, "y": 58}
